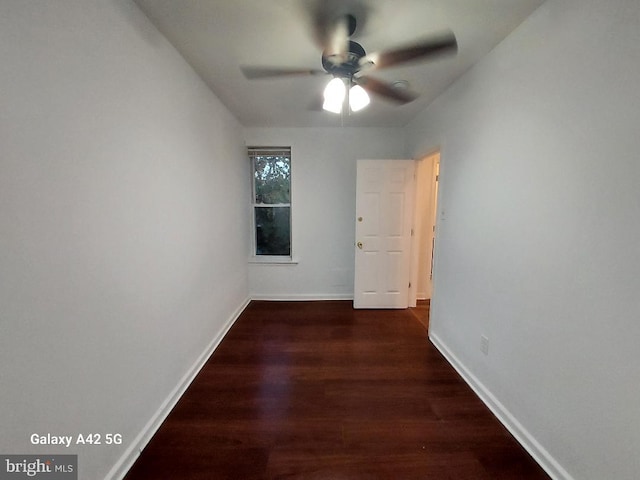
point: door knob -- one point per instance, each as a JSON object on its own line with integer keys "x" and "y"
{"x": 359, "y": 245}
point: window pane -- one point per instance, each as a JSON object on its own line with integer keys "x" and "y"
{"x": 271, "y": 177}
{"x": 273, "y": 230}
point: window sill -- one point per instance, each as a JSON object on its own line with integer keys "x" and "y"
{"x": 272, "y": 260}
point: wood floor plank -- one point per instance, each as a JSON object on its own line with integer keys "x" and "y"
{"x": 312, "y": 390}
{"x": 353, "y": 464}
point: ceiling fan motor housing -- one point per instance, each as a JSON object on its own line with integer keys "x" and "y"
{"x": 344, "y": 67}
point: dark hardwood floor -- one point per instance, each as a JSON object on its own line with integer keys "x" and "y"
{"x": 317, "y": 390}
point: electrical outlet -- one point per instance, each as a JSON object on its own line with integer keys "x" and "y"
{"x": 484, "y": 344}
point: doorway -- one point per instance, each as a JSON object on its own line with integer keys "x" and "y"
{"x": 427, "y": 176}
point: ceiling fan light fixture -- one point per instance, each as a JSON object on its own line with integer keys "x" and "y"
{"x": 334, "y": 94}
{"x": 358, "y": 98}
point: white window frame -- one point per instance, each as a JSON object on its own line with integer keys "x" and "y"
{"x": 270, "y": 259}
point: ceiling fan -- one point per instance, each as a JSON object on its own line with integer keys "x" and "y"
{"x": 349, "y": 64}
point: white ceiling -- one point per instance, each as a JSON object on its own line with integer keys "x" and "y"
{"x": 217, "y": 36}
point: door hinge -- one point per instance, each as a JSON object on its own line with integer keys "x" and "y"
{"x": 412, "y": 232}
{"x": 409, "y": 284}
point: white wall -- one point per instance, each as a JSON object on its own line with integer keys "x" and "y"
{"x": 538, "y": 228}
{"x": 123, "y": 227}
{"x": 323, "y": 169}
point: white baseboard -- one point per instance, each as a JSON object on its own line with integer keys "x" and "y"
{"x": 530, "y": 444}
{"x": 302, "y": 297}
{"x": 130, "y": 455}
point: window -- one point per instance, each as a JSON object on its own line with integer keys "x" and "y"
{"x": 271, "y": 200}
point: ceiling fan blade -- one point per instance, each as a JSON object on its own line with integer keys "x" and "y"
{"x": 444, "y": 43}
{"x": 253, "y": 73}
{"x": 332, "y": 34}
{"x": 386, "y": 90}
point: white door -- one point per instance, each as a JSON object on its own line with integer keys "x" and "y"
{"x": 384, "y": 214}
